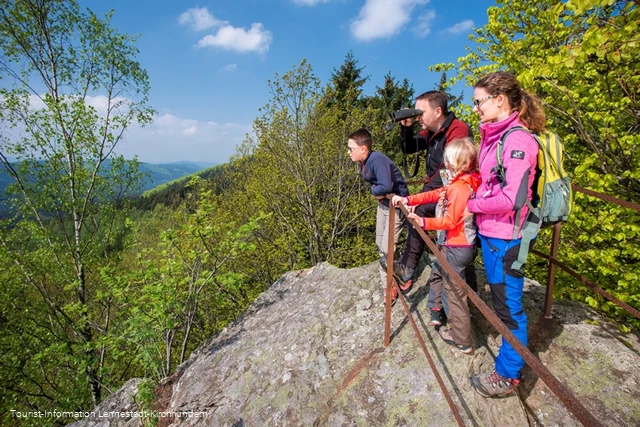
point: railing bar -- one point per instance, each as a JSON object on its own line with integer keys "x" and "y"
{"x": 551, "y": 273}
{"x": 606, "y": 198}
{"x": 586, "y": 281}
{"x": 390, "y": 252}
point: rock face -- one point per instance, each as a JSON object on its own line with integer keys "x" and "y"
{"x": 309, "y": 352}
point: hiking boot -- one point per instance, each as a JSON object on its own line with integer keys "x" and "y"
{"x": 437, "y": 317}
{"x": 406, "y": 287}
{"x": 402, "y": 273}
{"x": 393, "y": 301}
{"x": 394, "y": 298}
{"x": 493, "y": 384}
{"x": 445, "y": 334}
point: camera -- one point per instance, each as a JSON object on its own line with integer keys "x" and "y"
{"x": 405, "y": 113}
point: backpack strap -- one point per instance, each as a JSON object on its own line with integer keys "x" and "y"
{"x": 531, "y": 224}
{"x": 529, "y": 233}
{"x": 500, "y": 170}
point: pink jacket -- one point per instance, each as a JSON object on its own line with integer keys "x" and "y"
{"x": 496, "y": 203}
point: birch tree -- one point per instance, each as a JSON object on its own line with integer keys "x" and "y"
{"x": 71, "y": 86}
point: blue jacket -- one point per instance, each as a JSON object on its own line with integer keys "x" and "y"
{"x": 383, "y": 175}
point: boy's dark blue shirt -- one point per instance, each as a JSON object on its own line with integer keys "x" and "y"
{"x": 383, "y": 175}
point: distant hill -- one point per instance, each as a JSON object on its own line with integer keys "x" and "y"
{"x": 159, "y": 174}
{"x": 155, "y": 175}
{"x": 172, "y": 193}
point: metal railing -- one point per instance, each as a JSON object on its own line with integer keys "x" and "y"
{"x": 553, "y": 261}
{"x": 563, "y": 393}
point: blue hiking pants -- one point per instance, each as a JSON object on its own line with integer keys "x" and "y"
{"x": 506, "y": 292}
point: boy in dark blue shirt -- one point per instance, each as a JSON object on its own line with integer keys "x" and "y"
{"x": 385, "y": 178}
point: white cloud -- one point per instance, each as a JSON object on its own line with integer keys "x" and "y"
{"x": 229, "y": 68}
{"x": 171, "y": 138}
{"x": 168, "y": 139}
{"x": 191, "y": 130}
{"x": 309, "y": 2}
{"x": 35, "y": 102}
{"x": 460, "y": 27}
{"x": 424, "y": 21}
{"x": 383, "y": 18}
{"x": 256, "y": 39}
{"x": 101, "y": 103}
{"x": 199, "y": 19}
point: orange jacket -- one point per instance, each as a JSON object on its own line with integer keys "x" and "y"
{"x": 453, "y": 229}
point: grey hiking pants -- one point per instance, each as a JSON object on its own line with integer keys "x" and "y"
{"x": 382, "y": 233}
{"x": 460, "y": 259}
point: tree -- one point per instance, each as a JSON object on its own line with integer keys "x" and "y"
{"x": 344, "y": 92}
{"x": 581, "y": 58}
{"x": 392, "y": 96}
{"x": 69, "y": 190}
{"x": 452, "y": 101}
{"x": 183, "y": 287}
{"x": 300, "y": 172}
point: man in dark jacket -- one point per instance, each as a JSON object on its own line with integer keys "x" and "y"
{"x": 385, "y": 178}
{"x": 439, "y": 127}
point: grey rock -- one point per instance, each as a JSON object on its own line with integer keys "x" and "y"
{"x": 309, "y": 352}
{"x": 118, "y": 410}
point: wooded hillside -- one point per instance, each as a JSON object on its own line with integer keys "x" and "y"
{"x": 97, "y": 289}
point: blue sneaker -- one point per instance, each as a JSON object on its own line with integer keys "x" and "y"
{"x": 438, "y": 317}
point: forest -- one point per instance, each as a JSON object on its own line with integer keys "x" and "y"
{"x": 99, "y": 285}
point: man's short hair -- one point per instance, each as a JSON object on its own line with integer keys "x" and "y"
{"x": 436, "y": 99}
{"x": 362, "y": 137}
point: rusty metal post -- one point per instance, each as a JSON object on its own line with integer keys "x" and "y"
{"x": 551, "y": 274}
{"x": 390, "y": 250}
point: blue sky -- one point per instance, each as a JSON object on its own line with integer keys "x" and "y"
{"x": 209, "y": 62}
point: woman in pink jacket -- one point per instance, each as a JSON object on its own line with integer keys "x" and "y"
{"x": 502, "y": 104}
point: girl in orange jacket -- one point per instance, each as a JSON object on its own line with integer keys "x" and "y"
{"x": 456, "y": 234}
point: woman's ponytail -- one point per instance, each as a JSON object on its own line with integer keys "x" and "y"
{"x": 529, "y": 109}
{"x": 531, "y": 113}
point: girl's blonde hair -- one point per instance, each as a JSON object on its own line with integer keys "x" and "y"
{"x": 461, "y": 155}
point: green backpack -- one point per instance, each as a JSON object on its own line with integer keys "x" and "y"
{"x": 552, "y": 197}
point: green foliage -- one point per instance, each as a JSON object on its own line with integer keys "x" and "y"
{"x": 345, "y": 90}
{"x": 300, "y": 172}
{"x": 581, "y": 59}
{"x": 187, "y": 286}
{"x": 70, "y": 204}
{"x": 144, "y": 400}
{"x": 173, "y": 193}
{"x": 393, "y": 96}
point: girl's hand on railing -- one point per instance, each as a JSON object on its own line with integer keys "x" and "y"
{"x": 396, "y": 200}
{"x": 417, "y": 218}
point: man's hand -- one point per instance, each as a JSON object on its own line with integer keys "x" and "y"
{"x": 406, "y": 122}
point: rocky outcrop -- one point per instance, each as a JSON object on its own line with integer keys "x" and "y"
{"x": 309, "y": 352}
